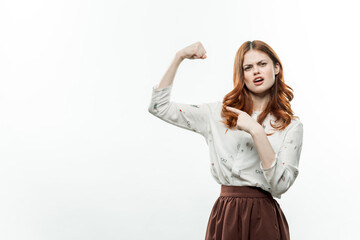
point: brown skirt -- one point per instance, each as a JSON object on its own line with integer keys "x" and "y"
{"x": 246, "y": 213}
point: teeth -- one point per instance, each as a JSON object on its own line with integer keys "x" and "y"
{"x": 258, "y": 79}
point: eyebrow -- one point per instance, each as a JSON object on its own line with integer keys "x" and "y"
{"x": 251, "y": 64}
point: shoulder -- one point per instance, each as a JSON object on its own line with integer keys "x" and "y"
{"x": 296, "y": 125}
{"x": 213, "y": 106}
{"x": 212, "y": 109}
{"x": 296, "y": 122}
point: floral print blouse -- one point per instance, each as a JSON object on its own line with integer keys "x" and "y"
{"x": 234, "y": 159}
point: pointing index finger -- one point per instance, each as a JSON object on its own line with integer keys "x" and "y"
{"x": 235, "y": 110}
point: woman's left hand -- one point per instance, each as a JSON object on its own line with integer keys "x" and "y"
{"x": 244, "y": 121}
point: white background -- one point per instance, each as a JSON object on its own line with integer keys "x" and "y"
{"x": 82, "y": 158}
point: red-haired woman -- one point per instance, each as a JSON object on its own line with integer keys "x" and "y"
{"x": 254, "y": 139}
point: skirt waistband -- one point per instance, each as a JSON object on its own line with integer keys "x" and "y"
{"x": 243, "y": 191}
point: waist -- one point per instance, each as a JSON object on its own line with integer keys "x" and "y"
{"x": 243, "y": 191}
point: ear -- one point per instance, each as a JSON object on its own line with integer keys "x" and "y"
{"x": 277, "y": 68}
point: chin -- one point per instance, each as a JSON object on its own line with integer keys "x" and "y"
{"x": 261, "y": 91}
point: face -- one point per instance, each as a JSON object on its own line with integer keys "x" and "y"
{"x": 256, "y": 65}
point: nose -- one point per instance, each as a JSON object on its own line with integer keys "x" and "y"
{"x": 256, "y": 70}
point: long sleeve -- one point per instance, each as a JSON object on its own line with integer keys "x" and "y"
{"x": 284, "y": 170}
{"x": 191, "y": 117}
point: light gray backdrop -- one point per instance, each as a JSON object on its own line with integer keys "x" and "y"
{"x": 81, "y": 157}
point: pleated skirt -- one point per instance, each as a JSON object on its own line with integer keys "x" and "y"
{"x": 246, "y": 213}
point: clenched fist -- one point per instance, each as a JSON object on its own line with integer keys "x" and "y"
{"x": 193, "y": 51}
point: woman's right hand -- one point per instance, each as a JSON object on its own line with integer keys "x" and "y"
{"x": 193, "y": 51}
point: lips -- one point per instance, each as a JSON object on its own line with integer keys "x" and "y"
{"x": 258, "y": 79}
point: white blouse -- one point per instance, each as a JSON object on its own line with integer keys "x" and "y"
{"x": 234, "y": 159}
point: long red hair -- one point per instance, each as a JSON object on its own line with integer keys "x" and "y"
{"x": 280, "y": 93}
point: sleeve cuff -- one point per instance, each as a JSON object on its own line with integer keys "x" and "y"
{"x": 272, "y": 165}
{"x": 161, "y": 89}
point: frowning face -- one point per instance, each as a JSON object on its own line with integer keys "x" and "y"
{"x": 259, "y": 72}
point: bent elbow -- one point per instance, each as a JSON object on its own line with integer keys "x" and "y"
{"x": 283, "y": 185}
{"x": 153, "y": 109}
{"x": 280, "y": 190}
{"x": 150, "y": 109}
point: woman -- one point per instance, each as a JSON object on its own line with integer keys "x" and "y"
{"x": 254, "y": 140}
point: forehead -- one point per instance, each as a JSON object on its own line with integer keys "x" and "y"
{"x": 254, "y": 56}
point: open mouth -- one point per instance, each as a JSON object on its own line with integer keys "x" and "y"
{"x": 258, "y": 81}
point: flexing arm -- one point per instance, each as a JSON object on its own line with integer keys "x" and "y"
{"x": 169, "y": 76}
{"x": 194, "y": 51}
{"x": 191, "y": 117}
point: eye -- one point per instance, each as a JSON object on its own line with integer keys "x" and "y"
{"x": 263, "y": 63}
{"x": 247, "y": 68}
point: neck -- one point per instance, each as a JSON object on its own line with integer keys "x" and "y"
{"x": 260, "y": 102}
